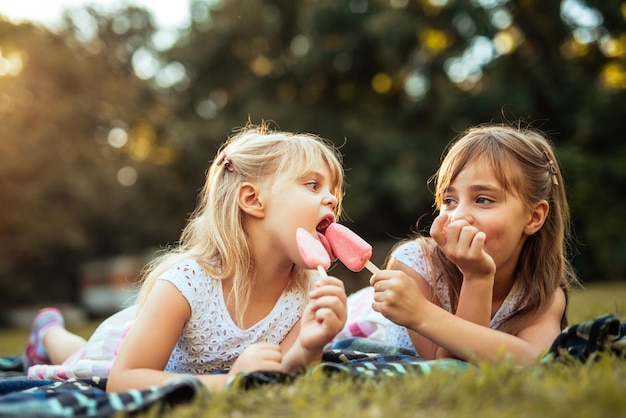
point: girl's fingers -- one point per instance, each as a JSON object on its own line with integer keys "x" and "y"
{"x": 326, "y": 302}
{"x": 466, "y": 237}
{"x": 438, "y": 229}
{"x": 328, "y": 286}
{"x": 478, "y": 244}
{"x": 382, "y": 275}
{"x": 327, "y": 315}
{"x": 329, "y": 281}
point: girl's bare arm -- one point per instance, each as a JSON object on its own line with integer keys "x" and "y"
{"x": 146, "y": 350}
{"x": 400, "y": 298}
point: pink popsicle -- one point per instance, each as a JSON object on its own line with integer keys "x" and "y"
{"x": 350, "y": 248}
{"x": 312, "y": 251}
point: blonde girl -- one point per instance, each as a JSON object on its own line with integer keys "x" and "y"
{"x": 233, "y": 295}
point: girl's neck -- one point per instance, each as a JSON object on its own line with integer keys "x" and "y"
{"x": 501, "y": 287}
{"x": 264, "y": 294}
{"x": 268, "y": 275}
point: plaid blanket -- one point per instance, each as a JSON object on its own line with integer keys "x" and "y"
{"x": 354, "y": 357}
{"x": 88, "y": 398}
{"x": 587, "y": 340}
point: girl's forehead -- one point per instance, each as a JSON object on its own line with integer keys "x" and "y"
{"x": 476, "y": 171}
{"x": 318, "y": 164}
{"x": 303, "y": 167}
{"x": 480, "y": 165}
{"x": 497, "y": 173}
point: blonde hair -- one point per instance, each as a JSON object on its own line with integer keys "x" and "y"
{"x": 214, "y": 235}
{"x": 524, "y": 163}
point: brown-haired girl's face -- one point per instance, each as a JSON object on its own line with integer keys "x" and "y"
{"x": 476, "y": 198}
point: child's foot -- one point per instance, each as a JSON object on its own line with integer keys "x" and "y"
{"x": 35, "y": 350}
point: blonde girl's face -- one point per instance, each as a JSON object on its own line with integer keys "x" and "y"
{"x": 475, "y": 196}
{"x": 307, "y": 201}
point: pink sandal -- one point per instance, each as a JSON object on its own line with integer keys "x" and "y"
{"x": 35, "y": 350}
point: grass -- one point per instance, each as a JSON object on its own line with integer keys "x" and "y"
{"x": 489, "y": 390}
{"x": 597, "y": 299}
{"x": 502, "y": 390}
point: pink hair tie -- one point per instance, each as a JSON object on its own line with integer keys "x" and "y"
{"x": 223, "y": 159}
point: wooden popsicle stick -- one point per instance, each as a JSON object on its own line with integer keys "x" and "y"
{"x": 371, "y": 267}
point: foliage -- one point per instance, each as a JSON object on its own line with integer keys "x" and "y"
{"x": 97, "y": 161}
{"x": 62, "y": 118}
{"x": 394, "y": 82}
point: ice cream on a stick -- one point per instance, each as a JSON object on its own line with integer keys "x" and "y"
{"x": 353, "y": 251}
{"x": 312, "y": 251}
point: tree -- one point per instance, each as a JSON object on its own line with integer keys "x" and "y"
{"x": 81, "y": 156}
{"x": 396, "y": 81}
{"x": 105, "y": 139}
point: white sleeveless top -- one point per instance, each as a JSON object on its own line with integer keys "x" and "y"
{"x": 210, "y": 341}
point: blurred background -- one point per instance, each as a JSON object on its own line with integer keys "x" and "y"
{"x": 110, "y": 114}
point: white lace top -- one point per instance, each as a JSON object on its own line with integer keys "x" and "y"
{"x": 211, "y": 341}
{"x": 410, "y": 254}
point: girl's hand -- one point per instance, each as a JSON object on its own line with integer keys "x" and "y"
{"x": 397, "y": 297}
{"x": 258, "y": 356}
{"x": 325, "y": 314}
{"x": 464, "y": 245}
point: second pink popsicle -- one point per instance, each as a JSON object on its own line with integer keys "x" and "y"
{"x": 353, "y": 251}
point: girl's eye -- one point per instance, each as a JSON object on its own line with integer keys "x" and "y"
{"x": 313, "y": 185}
{"x": 483, "y": 200}
{"x": 447, "y": 201}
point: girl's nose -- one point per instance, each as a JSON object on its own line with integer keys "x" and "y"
{"x": 460, "y": 214}
{"x": 331, "y": 200}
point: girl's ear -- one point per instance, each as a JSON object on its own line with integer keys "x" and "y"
{"x": 250, "y": 200}
{"x": 537, "y": 217}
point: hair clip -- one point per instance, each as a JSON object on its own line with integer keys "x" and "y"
{"x": 552, "y": 168}
{"x": 223, "y": 159}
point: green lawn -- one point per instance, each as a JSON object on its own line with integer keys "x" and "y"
{"x": 597, "y": 299}
{"x": 489, "y": 390}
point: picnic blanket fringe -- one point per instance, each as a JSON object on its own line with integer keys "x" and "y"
{"x": 356, "y": 357}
